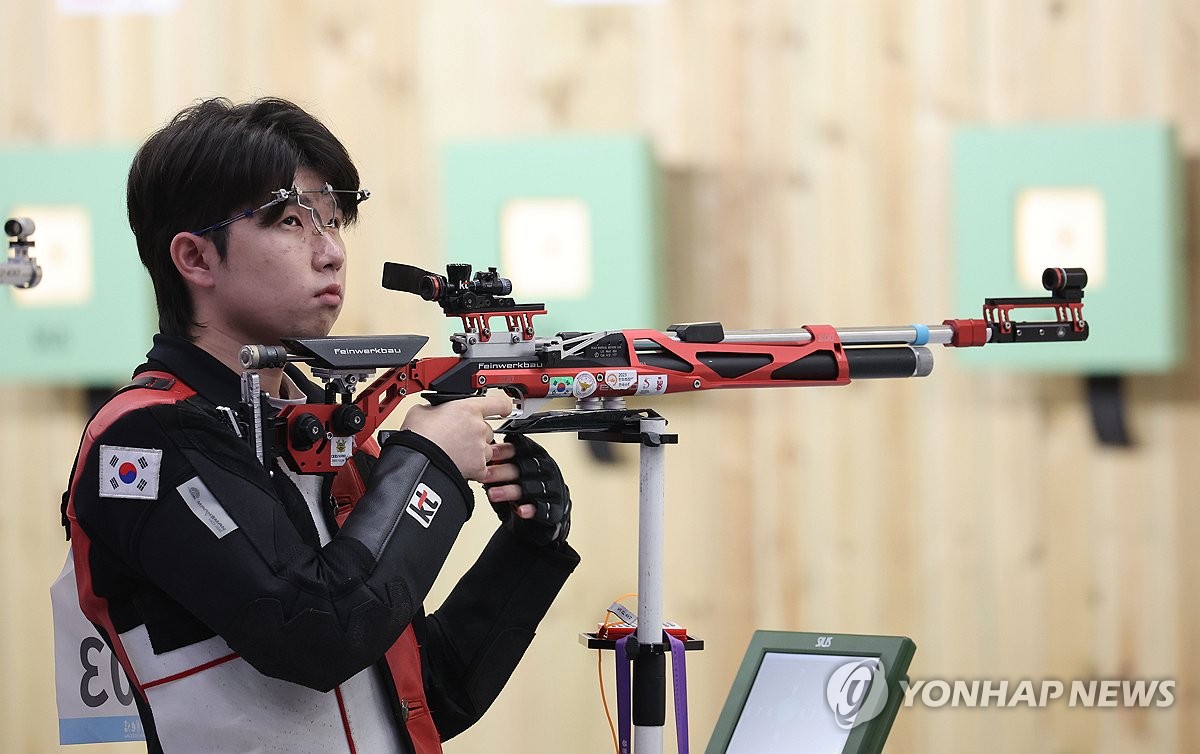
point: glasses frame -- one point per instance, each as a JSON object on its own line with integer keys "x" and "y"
{"x": 283, "y": 195}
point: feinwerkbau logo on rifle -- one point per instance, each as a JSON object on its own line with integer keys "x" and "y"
{"x": 424, "y": 505}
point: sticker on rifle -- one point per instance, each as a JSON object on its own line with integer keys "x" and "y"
{"x": 129, "y": 472}
{"x": 652, "y": 384}
{"x": 424, "y": 505}
{"x": 620, "y": 379}
{"x": 560, "y": 387}
{"x": 205, "y": 507}
{"x": 340, "y": 450}
{"x": 585, "y": 385}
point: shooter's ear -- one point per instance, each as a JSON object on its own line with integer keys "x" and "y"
{"x": 194, "y": 256}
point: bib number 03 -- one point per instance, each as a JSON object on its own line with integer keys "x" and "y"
{"x": 95, "y": 697}
{"x": 93, "y": 690}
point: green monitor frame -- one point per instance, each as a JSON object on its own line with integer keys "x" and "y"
{"x": 865, "y": 737}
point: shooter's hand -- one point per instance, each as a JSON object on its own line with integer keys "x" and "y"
{"x": 527, "y": 491}
{"x": 460, "y": 429}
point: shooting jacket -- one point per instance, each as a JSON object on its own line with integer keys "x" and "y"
{"x": 251, "y": 614}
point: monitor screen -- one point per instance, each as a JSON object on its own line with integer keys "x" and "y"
{"x": 810, "y": 693}
{"x": 787, "y": 711}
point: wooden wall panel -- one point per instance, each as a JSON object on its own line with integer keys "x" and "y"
{"x": 805, "y": 155}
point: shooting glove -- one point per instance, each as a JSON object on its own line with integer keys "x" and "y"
{"x": 542, "y": 485}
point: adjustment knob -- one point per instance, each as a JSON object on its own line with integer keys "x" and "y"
{"x": 348, "y": 420}
{"x": 306, "y": 431}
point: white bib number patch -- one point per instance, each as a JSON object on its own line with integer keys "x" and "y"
{"x": 95, "y": 699}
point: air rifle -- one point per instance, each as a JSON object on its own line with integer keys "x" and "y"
{"x": 20, "y": 270}
{"x": 499, "y": 348}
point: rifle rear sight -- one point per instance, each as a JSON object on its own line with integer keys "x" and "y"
{"x": 457, "y": 292}
{"x": 19, "y": 227}
{"x": 21, "y": 270}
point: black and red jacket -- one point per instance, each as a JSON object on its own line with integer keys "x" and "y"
{"x": 241, "y": 628}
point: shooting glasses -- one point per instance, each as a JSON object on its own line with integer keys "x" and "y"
{"x": 322, "y": 203}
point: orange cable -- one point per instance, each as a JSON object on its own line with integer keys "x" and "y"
{"x": 600, "y": 673}
{"x": 604, "y": 699}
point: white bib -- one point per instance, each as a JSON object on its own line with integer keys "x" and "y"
{"x": 95, "y": 699}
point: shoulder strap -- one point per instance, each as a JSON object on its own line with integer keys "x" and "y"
{"x": 158, "y": 388}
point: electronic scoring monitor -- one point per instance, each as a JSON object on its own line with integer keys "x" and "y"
{"x": 811, "y": 693}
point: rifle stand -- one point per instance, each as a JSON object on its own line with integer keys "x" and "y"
{"x": 648, "y": 429}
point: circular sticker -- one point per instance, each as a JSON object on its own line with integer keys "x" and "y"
{"x": 585, "y": 385}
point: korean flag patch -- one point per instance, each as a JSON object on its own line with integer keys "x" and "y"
{"x": 129, "y": 472}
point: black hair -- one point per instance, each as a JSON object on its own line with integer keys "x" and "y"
{"x": 213, "y": 160}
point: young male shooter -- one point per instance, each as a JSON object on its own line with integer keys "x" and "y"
{"x": 248, "y": 613}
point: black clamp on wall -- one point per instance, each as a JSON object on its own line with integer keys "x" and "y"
{"x": 1105, "y": 396}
